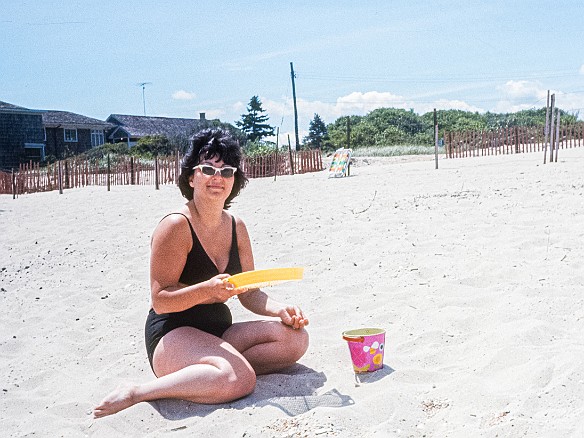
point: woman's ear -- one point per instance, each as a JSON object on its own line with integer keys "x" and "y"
{"x": 191, "y": 183}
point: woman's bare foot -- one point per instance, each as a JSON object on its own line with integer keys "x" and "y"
{"x": 121, "y": 398}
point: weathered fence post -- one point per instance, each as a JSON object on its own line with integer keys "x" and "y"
{"x": 108, "y": 172}
{"x": 290, "y": 152}
{"x": 177, "y": 167}
{"x": 557, "y": 136}
{"x": 276, "y": 153}
{"x": 13, "y": 184}
{"x": 60, "y": 178}
{"x": 436, "y": 137}
{"x": 550, "y": 130}
{"x": 546, "y": 130}
{"x": 132, "y": 172}
{"x": 156, "y": 182}
{"x": 67, "y": 182}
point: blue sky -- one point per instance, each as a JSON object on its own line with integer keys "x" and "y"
{"x": 350, "y": 57}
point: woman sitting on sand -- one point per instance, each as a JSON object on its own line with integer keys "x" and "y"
{"x": 194, "y": 349}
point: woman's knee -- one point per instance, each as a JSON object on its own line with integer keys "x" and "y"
{"x": 235, "y": 387}
{"x": 235, "y": 382}
{"x": 297, "y": 342}
{"x": 303, "y": 341}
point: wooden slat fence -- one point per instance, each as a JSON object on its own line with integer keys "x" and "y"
{"x": 123, "y": 170}
{"x": 266, "y": 165}
{"x": 514, "y": 140}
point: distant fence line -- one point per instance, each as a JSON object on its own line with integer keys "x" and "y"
{"x": 74, "y": 172}
{"x": 284, "y": 163}
{"x": 508, "y": 141}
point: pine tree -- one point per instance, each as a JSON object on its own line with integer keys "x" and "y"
{"x": 253, "y": 124}
{"x": 317, "y": 133}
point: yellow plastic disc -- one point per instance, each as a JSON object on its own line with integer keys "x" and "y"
{"x": 265, "y": 277}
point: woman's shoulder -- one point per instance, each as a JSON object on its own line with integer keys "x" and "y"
{"x": 239, "y": 223}
{"x": 240, "y": 227}
{"x": 177, "y": 221}
{"x": 175, "y": 217}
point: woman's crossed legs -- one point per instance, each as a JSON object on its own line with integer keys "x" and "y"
{"x": 199, "y": 367}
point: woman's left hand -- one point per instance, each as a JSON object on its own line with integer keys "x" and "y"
{"x": 293, "y": 317}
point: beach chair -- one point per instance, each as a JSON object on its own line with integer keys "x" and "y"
{"x": 341, "y": 163}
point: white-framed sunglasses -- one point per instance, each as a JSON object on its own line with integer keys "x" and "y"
{"x": 225, "y": 172}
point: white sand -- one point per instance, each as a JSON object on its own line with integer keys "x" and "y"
{"x": 476, "y": 271}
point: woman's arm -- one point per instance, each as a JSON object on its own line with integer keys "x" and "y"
{"x": 256, "y": 300}
{"x": 170, "y": 246}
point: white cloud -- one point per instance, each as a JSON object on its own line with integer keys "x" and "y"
{"x": 505, "y": 106}
{"x": 523, "y": 89}
{"x": 581, "y": 71}
{"x": 355, "y": 103}
{"x": 183, "y": 95}
{"x": 522, "y": 95}
{"x": 571, "y": 102}
{"x": 363, "y": 103}
{"x": 239, "y": 107}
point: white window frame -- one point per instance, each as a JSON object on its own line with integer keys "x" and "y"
{"x": 97, "y": 137}
{"x": 70, "y": 138}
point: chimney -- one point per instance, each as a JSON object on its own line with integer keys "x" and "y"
{"x": 202, "y": 116}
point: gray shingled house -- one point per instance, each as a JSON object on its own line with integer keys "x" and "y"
{"x": 130, "y": 129}
{"x": 27, "y": 134}
{"x": 21, "y": 135}
{"x": 68, "y": 133}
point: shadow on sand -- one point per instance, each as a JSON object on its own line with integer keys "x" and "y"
{"x": 294, "y": 391}
{"x": 365, "y": 378}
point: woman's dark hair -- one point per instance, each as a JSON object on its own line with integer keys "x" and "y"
{"x": 205, "y": 145}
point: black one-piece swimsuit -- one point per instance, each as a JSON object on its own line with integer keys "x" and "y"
{"x": 211, "y": 318}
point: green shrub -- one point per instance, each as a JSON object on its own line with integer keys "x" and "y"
{"x": 259, "y": 148}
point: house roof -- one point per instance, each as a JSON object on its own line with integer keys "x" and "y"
{"x": 6, "y": 107}
{"x": 140, "y": 126}
{"x": 54, "y": 119}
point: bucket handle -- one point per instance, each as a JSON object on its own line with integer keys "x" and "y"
{"x": 354, "y": 338}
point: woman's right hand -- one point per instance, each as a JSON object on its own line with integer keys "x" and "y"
{"x": 219, "y": 289}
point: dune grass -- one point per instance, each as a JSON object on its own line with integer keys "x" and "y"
{"x": 394, "y": 151}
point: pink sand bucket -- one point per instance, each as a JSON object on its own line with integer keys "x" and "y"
{"x": 366, "y": 346}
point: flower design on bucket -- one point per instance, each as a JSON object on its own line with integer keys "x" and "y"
{"x": 375, "y": 350}
{"x": 377, "y": 359}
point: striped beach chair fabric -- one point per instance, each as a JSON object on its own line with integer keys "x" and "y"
{"x": 341, "y": 163}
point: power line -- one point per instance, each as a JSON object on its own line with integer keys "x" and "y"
{"x": 437, "y": 78}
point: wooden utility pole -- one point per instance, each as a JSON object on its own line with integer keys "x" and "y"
{"x": 295, "y": 109}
